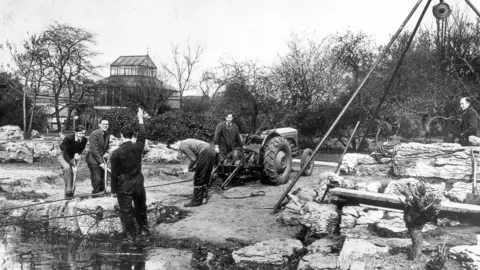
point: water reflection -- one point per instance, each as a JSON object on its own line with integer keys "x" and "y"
{"x": 41, "y": 249}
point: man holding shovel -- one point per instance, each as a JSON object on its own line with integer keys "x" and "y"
{"x": 72, "y": 146}
{"x": 128, "y": 182}
{"x": 98, "y": 154}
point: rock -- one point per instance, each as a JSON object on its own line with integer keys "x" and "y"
{"x": 396, "y": 186}
{"x": 35, "y": 134}
{"x": 370, "y": 186}
{"x": 274, "y": 251}
{"x": 347, "y": 183}
{"x": 320, "y": 218}
{"x": 349, "y": 216}
{"x": 354, "y": 249}
{"x": 398, "y": 243}
{"x": 317, "y": 261}
{"x": 363, "y": 165}
{"x": 442, "y": 160}
{"x": 44, "y": 150}
{"x": 15, "y": 152}
{"x": 9, "y": 132}
{"x": 161, "y": 154}
{"x": 370, "y": 217}
{"x": 292, "y": 214}
{"x": 458, "y": 192}
{"x": 446, "y": 222}
{"x": 96, "y": 216}
{"x": 324, "y": 246}
{"x": 358, "y": 265}
{"x": 352, "y": 211}
{"x": 328, "y": 177}
{"x": 306, "y": 194}
{"x": 395, "y": 228}
{"x": 358, "y": 232}
{"x": 468, "y": 255}
{"x": 348, "y": 221}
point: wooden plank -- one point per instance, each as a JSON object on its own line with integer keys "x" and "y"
{"x": 446, "y": 206}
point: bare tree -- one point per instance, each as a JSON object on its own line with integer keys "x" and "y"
{"x": 31, "y": 68}
{"x": 183, "y": 66}
{"x": 68, "y": 62}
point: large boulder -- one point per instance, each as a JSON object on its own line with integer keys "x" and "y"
{"x": 354, "y": 249}
{"x": 320, "y": 218}
{"x": 469, "y": 255}
{"x": 15, "y": 152}
{"x": 458, "y": 192}
{"x": 159, "y": 153}
{"x": 11, "y": 133}
{"x": 363, "y": 165}
{"x": 395, "y": 187}
{"x": 447, "y": 161}
{"x": 274, "y": 251}
{"x": 317, "y": 261}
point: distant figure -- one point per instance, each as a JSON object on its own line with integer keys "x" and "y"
{"x": 227, "y": 137}
{"x": 72, "y": 146}
{"x": 99, "y": 146}
{"x": 469, "y": 126}
{"x": 128, "y": 182}
{"x": 202, "y": 159}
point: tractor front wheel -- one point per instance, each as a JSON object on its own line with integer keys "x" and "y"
{"x": 277, "y": 161}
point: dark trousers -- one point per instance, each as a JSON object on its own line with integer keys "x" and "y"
{"x": 136, "y": 215}
{"x": 201, "y": 178}
{"x": 67, "y": 173}
{"x": 97, "y": 175}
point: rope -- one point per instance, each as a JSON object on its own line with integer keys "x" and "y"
{"x": 53, "y": 201}
{"x": 253, "y": 194}
{"x": 97, "y": 214}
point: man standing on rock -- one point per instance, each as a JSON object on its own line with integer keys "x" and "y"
{"x": 227, "y": 137}
{"x": 72, "y": 146}
{"x": 127, "y": 180}
{"x": 98, "y": 154}
{"x": 469, "y": 126}
{"x": 202, "y": 159}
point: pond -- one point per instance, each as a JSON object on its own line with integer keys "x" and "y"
{"x": 40, "y": 249}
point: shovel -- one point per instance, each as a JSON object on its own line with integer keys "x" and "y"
{"x": 75, "y": 174}
{"x": 474, "y": 198}
{"x": 105, "y": 160}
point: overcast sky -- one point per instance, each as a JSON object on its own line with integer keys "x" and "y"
{"x": 239, "y": 29}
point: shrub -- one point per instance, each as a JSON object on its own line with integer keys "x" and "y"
{"x": 170, "y": 124}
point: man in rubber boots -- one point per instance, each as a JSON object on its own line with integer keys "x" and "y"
{"x": 128, "y": 182}
{"x": 469, "y": 125}
{"x": 72, "y": 146}
{"x": 99, "y": 146}
{"x": 202, "y": 159}
{"x": 227, "y": 137}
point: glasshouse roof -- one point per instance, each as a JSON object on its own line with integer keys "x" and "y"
{"x": 134, "y": 60}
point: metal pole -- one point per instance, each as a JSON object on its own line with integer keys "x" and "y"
{"x": 392, "y": 76}
{"x": 346, "y": 148}
{"x": 473, "y": 7}
{"x": 346, "y": 106}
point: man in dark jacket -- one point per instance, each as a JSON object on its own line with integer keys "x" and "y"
{"x": 226, "y": 137}
{"x": 99, "y": 146}
{"x": 202, "y": 158}
{"x": 127, "y": 180}
{"x": 469, "y": 126}
{"x": 72, "y": 146}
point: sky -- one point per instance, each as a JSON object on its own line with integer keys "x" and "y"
{"x": 242, "y": 30}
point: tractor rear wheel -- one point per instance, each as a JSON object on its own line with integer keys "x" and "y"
{"x": 277, "y": 161}
{"x": 303, "y": 160}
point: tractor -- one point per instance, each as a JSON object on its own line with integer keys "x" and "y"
{"x": 267, "y": 156}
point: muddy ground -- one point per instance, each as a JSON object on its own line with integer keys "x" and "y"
{"x": 224, "y": 224}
